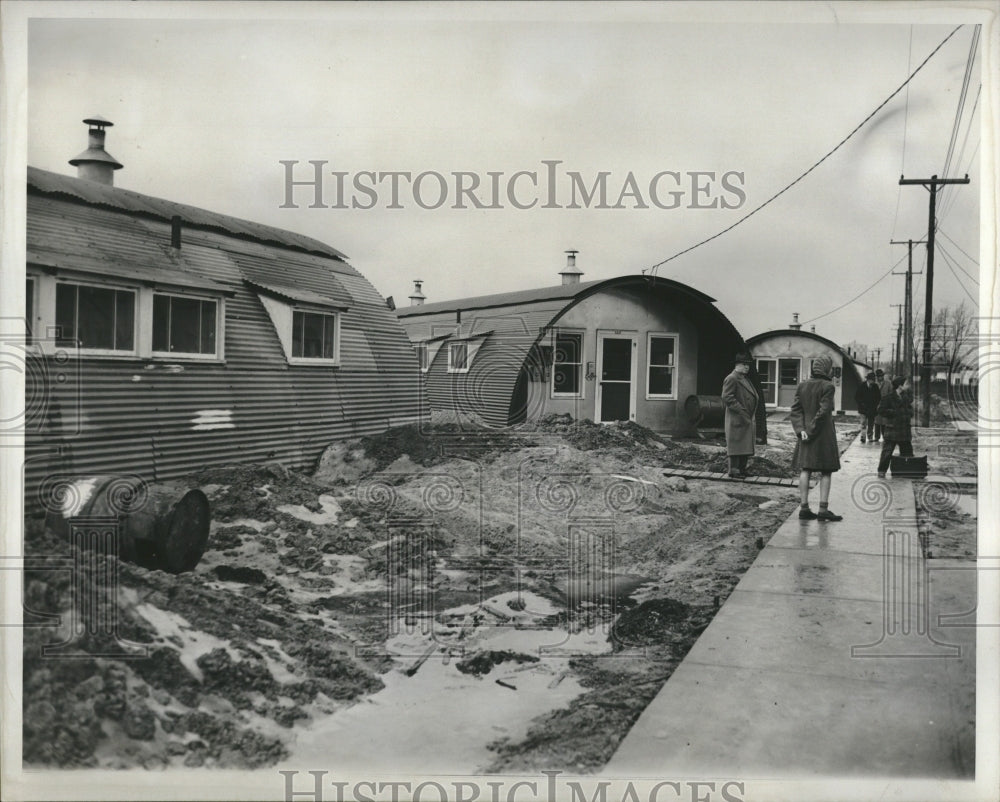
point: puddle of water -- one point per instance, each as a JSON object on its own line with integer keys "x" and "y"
{"x": 441, "y": 720}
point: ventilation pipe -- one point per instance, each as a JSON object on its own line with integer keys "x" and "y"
{"x": 795, "y": 322}
{"x": 417, "y": 298}
{"x": 95, "y": 163}
{"x": 571, "y": 273}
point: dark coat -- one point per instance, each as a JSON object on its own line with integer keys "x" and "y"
{"x": 897, "y": 410}
{"x": 812, "y": 413}
{"x": 740, "y": 398}
{"x": 867, "y": 398}
{"x": 885, "y": 388}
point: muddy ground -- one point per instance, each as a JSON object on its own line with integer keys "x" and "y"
{"x": 529, "y": 593}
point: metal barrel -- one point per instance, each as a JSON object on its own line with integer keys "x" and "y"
{"x": 160, "y": 526}
{"x": 706, "y": 411}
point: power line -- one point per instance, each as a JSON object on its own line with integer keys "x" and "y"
{"x": 943, "y": 234}
{"x": 848, "y": 303}
{"x": 947, "y": 261}
{"x": 961, "y": 100}
{"x": 906, "y": 118}
{"x": 837, "y": 147}
{"x": 954, "y": 265}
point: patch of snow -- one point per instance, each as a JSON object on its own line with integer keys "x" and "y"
{"x": 176, "y": 629}
{"x": 257, "y": 526}
{"x": 331, "y": 509}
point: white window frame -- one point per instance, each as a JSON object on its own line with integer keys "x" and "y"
{"x": 321, "y": 361}
{"x": 468, "y": 360}
{"x": 219, "y": 327}
{"x": 136, "y": 317}
{"x": 672, "y": 396}
{"x": 581, "y": 333}
{"x": 423, "y": 356}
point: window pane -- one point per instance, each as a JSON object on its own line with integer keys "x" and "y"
{"x": 789, "y": 371}
{"x": 184, "y": 325}
{"x": 66, "y": 314}
{"x": 124, "y": 320}
{"x": 661, "y": 380}
{"x": 328, "y": 331}
{"x": 566, "y": 379}
{"x": 422, "y": 356}
{"x": 297, "y": 333}
{"x": 568, "y": 347}
{"x": 161, "y": 322}
{"x": 208, "y": 327}
{"x": 95, "y": 323}
{"x": 312, "y": 336}
{"x": 459, "y": 356}
{"x": 661, "y": 351}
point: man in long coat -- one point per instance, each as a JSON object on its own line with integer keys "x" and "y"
{"x": 884, "y": 388}
{"x": 740, "y": 398}
{"x": 867, "y": 397}
{"x": 816, "y": 446}
{"x": 896, "y": 410}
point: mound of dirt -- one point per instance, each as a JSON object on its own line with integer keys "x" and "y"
{"x": 483, "y": 662}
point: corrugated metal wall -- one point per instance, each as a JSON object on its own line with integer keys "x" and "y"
{"x": 142, "y": 417}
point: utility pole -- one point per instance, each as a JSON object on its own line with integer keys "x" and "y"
{"x": 899, "y": 329}
{"x": 908, "y": 313}
{"x": 931, "y": 185}
{"x": 878, "y": 353}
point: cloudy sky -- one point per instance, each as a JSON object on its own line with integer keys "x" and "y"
{"x": 205, "y": 111}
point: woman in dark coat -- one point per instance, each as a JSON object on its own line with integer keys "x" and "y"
{"x": 897, "y": 410}
{"x": 740, "y": 398}
{"x": 816, "y": 446}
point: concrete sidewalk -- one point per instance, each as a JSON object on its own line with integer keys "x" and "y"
{"x": 829, "y": 658}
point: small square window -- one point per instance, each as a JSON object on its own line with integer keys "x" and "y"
{"x": 314, "y": 335}
{"x": 96, "y": 318}
{"x": 183, "y": 325}
{"x": 458, "y": 357}
{"x": 423, "y": 356}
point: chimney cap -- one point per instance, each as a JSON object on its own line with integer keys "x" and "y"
{"x": 98, "y": 121}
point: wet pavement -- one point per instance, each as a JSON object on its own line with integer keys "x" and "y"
{"x": 842, "y": 652}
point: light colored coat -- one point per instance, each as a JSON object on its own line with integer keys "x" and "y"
{"x": 740, "y": 398}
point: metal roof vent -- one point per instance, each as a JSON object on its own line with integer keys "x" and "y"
{"x": 417, "y": 298}
{"x": 812, "y": 328}
{"x": 571, "y": 273}
{"x": 95, "y": 163}
{"x": 795, "y": 322}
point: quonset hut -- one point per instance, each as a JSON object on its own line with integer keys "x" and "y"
{"x": 784, "y": 358}
{"x": 164, "y": 337}
{"x": 632, "y": 348}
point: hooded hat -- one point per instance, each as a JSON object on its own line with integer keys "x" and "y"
{"x": 822, "y": 366}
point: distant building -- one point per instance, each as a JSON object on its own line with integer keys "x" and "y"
{"x": 856, "y": 351}
{"x": 168, "y": 337}
{"x": 632, "y": 348}
{"x": 784, "y": 358}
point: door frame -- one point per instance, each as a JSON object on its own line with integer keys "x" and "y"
{"x": 798, "y": 360}
{"x": 616, "y": 334}
{"x": 777, "y": 378}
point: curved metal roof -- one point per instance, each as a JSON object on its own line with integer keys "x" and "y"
{"x": 91, "y": 192}
{"x": 568, "y": 292}
{"x": 808, "y": 334}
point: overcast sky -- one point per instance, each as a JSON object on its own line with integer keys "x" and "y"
{"x": 205, "y": 111}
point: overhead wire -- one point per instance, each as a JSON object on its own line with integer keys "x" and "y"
{"x": 863, "y": 292}
{"x": 948, "y": 263}
{"x": 943, "y": 234}
{"x": 955, "y": 264}
{"x": 652, "y": 269}
{"x": 906, "y": 119}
